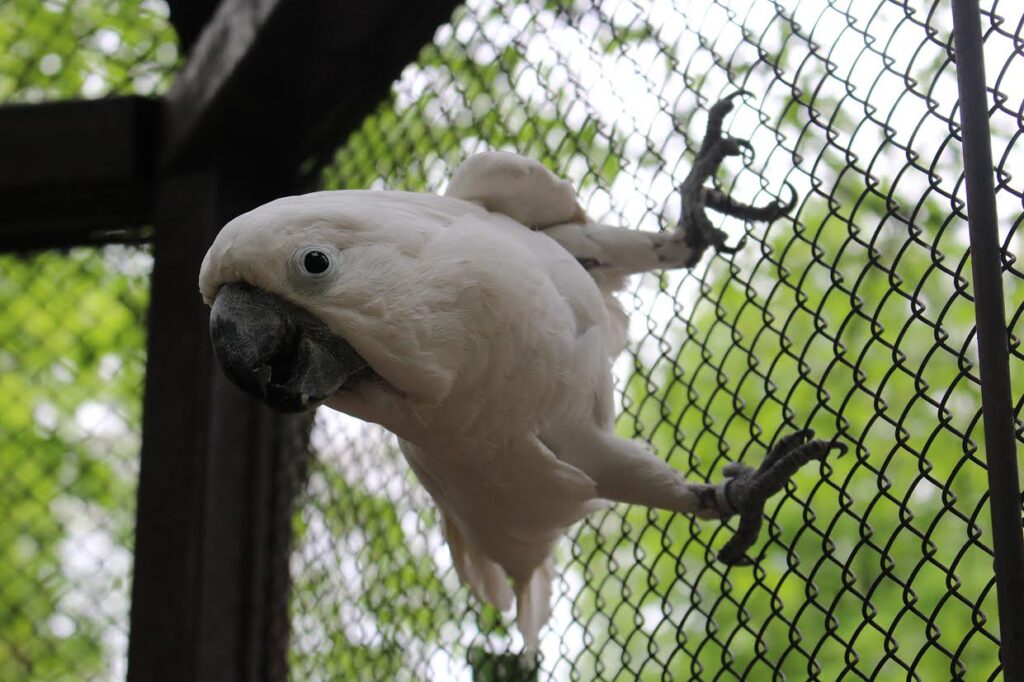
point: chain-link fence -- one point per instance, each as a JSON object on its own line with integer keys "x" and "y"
{"x": 61, "y": 49}
{"x": 72, "y": 355}
{"x": 72, "y": 358}
{"x": 853, "y": 316}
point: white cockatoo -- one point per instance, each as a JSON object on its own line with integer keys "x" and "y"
{"x": 479, "y": 327}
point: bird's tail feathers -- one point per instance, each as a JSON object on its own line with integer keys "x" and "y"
{"x": 486, "y": 579}
{"x": 533, "y": 604}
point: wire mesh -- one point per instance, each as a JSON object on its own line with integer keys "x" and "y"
{"x": 72, "y": 357}
{"x": 59, "y": 49}
{"x": 1004, "y": 41}
{"x": 853, "y": 317}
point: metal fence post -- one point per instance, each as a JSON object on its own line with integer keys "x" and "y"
{"x": 993, "y": 346}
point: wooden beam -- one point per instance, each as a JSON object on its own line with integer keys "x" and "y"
{"x": 271, "y": 83}
{"x": 268, "y": 84}
{"x": 213, "y": 515}
{"x": 188, "y": 18}
{"x": 73, "y": 172}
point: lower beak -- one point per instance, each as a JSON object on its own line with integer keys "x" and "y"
{"x": 277, "y": 351}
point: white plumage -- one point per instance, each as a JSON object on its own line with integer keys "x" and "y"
{"x": 491, "y": 344}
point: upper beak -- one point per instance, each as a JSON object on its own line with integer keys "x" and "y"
{"x": 277, "y": 351}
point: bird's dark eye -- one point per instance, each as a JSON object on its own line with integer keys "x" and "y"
{"x": 316, "y": 262}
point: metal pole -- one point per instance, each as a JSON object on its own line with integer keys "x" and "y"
{"x": 993, "y": 345}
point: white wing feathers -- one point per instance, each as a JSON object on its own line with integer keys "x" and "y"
{"x": 507, "y": 543}
{"x": 529, "y": 193}
{"x": 518, "y": 187}
{"x": 489, "y": 582}
{"x": 533, "y": 603}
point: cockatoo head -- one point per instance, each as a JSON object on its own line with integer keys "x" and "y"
{"x": 331, "y": 293}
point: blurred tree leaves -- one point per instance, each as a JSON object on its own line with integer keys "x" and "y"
{"x": 72, "y": 349}
{"x": 59, "y": 49}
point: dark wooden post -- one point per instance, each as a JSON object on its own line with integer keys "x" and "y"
{"x": 268, "y": 88}
{"x": 203, "y": 599}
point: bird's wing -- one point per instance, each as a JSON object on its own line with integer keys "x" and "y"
{"x": 484, "y": 577}
{"x": 518, "y": 187}
{"x": 530, "y": 194}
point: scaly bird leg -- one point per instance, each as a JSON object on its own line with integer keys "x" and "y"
{"x": 628, "y": 471}
{"x": 695, "y": 228}
{"x": 607, "y": 251}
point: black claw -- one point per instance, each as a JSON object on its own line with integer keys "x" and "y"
{"x": 697, "y": 230}
{"x": 785, "y": 445}
{"x": 726, "y": 205}
{"x": 793, "y": 198}
{"x": 741, "y": 144}
{"x": 748, "y": 490}
{"x": 840, "y": 447}
{"x": 722, "y": 247}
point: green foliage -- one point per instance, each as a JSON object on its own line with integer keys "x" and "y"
{"x": 59, "y": 49}
{"x": 72, "y": 359}
{"x": 71, "y": 362}
{"x": 424, "y": 138}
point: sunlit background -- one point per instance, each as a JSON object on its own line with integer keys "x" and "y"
{"x": 854, "y": 317}
{"x": 72, "y": 361}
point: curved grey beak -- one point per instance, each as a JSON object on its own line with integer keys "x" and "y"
{"x": 277, "y": 351}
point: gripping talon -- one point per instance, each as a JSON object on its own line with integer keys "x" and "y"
{"x": 785, "y": 445}
{"x": 793, "y": 197}
{"x": 723, "y": 106}
{"x": 742, "y": 144}
{"x": 747, "y": 490}
{"x": 722, "y": 247}
{"x": 696, "y": 229}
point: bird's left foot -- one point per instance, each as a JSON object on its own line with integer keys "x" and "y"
{"x": 695, "y": 227}
{"x": 748, "y": 489}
